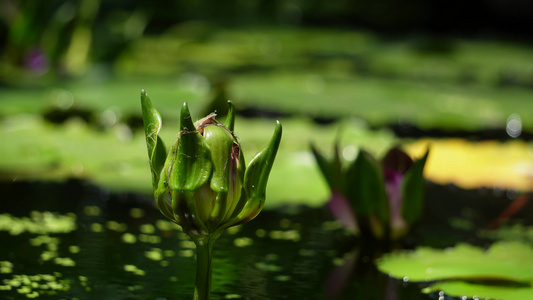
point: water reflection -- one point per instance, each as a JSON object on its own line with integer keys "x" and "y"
{"x": 117, "y": 246}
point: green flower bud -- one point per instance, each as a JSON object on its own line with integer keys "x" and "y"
{"x": 202, "y": 183}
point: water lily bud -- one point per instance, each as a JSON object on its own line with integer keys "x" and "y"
{"x": 203, "y": 183}
{"x": 381, "y": 201}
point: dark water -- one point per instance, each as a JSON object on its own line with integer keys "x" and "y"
{"x": 122, "y": 248}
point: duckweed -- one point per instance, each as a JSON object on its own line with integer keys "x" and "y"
{"x": 243, "y": 242}
{"x": 268, "y": 267}
{"x": 289, "y": 235}
{"x": 133, "y": 269}
{"x": 65, "y": 261}
{"x": 151, "y": 239}
{"x": 129, "y": 238}
{"x": 91, "y": 210}
{"x": 260, "y": 233}
{"x": 147, "y": 228}
{"x": 116, "y": 226}
{"x": 165, "y": 225}
{"x": 38, "y": 223}
{"x": 136, "y": 213}
{"x": 97, "y": 227}
{"x": 186, "y": 253}
{"x": 6, "y": 267}
{"x": 33, "y": 285}
{"x": 154, "y": 254}
{"x": 74, "y": 249}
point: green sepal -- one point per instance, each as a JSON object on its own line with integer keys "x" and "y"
{"x": 218, "y": 211}
{"x": 331, "y": 168}
{"x": 162, "y": 194}
{"x": 413, "y": 191}
{"x": 184, "y": 205}
{"x": 256, "y": 176}
{"x": 230, "y": 118}
{"x": 220, "y": 142}
{"x": 235, "y": 191}
{"x": 192, "y": 165}
{"x": 236, "y": 195}
{"x": 364, "y": 186}
{"x": 156, "y": 148}
{"x": 164, "y": 203}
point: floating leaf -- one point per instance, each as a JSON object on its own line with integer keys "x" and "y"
{"x": 502, "y": 261}
{"x": 461, "y": 288}
{"x": 508, "y": 267}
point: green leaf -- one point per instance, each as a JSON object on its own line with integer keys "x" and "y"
{"x": 156, "y": 148}
{"x": 256, "y": 176}
{"x": 162, "y": 194}
{"x": 502, "y": 272}
{"x": 413, "y": 191}
{"x": 331, "y": 168}
{"x": 192, "y": 165}
{"x": 230, "y": 118}
{"x": 460, "y": 288}
{"x": 364, "y": 186}
{"x": 503, "y": 261}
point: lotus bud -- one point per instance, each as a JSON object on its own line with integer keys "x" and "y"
{"x": 202, "y": 183}
{"x": 380, "y": 201}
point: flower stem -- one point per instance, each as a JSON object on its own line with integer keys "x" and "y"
{"x": 204, "y": 257}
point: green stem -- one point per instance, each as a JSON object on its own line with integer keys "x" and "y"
{"x": 204, "y": 257}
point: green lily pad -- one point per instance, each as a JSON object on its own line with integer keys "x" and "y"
{"x": 506, "y": 268}
{"x": 480, "y": 291}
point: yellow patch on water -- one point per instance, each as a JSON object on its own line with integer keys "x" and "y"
{"x": 468, "y": 164}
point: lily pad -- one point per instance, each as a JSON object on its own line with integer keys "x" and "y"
{"x": 479, "y": 291}
{"x": 504, "y": 271}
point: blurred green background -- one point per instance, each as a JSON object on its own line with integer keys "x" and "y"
{"x": 374, "y": 73}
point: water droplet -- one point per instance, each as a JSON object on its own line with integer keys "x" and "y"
{"x": 514, "y": 125}
{"x": 406, "y": 279}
